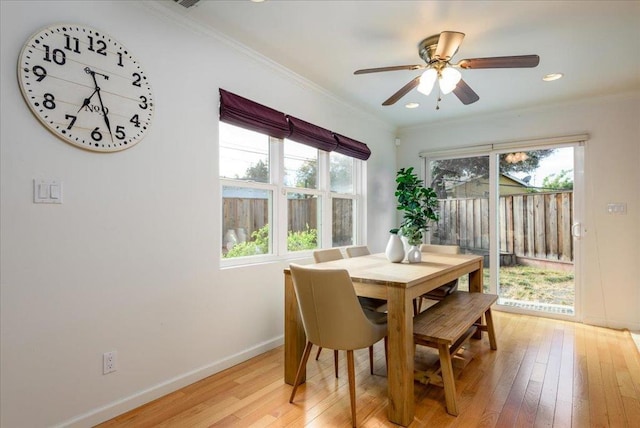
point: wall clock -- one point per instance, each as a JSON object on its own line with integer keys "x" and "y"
{"x": 85, "y": 87}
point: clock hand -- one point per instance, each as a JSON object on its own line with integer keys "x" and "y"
{"x": 104, "y": 112}
{"x": 87, "y": 101}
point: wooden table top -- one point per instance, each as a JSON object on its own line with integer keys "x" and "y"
{"x": 376, "y": 269}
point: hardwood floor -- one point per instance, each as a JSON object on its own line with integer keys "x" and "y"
{"x": 544, "y": 373}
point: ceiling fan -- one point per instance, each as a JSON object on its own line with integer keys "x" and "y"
{"x": 437, "y": 51}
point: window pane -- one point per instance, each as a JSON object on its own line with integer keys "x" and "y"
{"x": 343, "y": 225}
{"x": 462, "y": 185}
{"x": 302, "y": 231}
{"x": 244, "y": 155}
{"x": 245, "y": 221}
{"x": 341, "y": 173}
{"x": 300, "y": 165}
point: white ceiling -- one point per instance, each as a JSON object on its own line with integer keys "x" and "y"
{"x": 596, "y": 44}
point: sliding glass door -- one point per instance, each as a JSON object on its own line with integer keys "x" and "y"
{"x": 520, "y": 209}
{"x": 463, "y": 187}
{"x": 535, "y": 217}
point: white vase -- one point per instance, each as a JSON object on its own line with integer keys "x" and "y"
{"x": 414, "y": 255}
{"x": 230, "y": 239}
{"x": 405, "y": 247}
{"x": 395, "y": 249}
{"x": 241, "y": 234}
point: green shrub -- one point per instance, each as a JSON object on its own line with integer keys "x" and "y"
{"x": 259, "y": 242}
{"x": 302, "y": 240}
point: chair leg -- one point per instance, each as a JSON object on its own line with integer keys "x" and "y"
{"x": 352, "y": 385}
{"x": 371, "y": 359}
{"x": 415, "y": 307}
{"x": 335, "y": 359}
{"x": 386, "y": 353}
{"x": 303, "y": 364}
{"x": 419, "y": 299}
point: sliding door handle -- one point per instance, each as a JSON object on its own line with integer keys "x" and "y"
{"x": 575, "y": 230}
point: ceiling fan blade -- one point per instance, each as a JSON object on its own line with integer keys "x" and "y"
{"x": 520, "y": 61}
{"x": 393, "y": 68}
{"x": 448, "y": 44}
{"x": 465, "y": 93}
{"x": 402, "y": 92}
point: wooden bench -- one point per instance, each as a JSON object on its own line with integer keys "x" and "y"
{"x": 447, "y": 325}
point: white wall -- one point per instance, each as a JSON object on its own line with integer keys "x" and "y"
{"x": 611, "y": 284}
{"x": 129, "y": 261}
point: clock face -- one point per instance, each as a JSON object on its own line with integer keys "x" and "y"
{"x": 86, "y": 87}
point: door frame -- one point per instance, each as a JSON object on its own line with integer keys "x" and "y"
{"x": 578, "y": 229}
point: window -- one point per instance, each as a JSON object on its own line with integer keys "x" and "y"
{"x": 244, "y": 155}
{"x": 247, "y": 192}
{"x": 304, "y": 205}
{"x": 277, "y": 194}
{"x": 343, "y": 201}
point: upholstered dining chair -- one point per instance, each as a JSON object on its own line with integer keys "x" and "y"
{"x": 333, "y": 318}
{"x": 444, "y": 290}
{"x": 357, "y": 251}
{"x": 370, "y": 304}
{"x": 321, "y": 256}
{"x": 366, "y": 302}
{"x": 378, "y": 305}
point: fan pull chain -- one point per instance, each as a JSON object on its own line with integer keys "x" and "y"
{"x": 439, "y": 99}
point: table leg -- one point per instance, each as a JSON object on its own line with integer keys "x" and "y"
{"x": 400, "y": 357}
{"x": 294, "y": 336}
{"x": 475, "y": 286}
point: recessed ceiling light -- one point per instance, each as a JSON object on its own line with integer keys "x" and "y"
{"x": 412, "y": 105}
{"x": 257, "y": 1}
{"x": 552, "y": 76}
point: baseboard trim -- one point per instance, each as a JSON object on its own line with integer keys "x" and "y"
{"x": 615, "y": 324}
{"x": 123, "y": 405}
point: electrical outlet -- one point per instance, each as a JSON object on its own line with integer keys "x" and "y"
{"x": 109, "y": 362}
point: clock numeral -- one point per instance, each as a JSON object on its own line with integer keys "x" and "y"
{"x": 120, "y": 59}
{"x": 39, "y": 71}
{"x": 55, "y": 55}
{"x": 120, "y": 135}
{"x": 96, "y": 135}
{"x": 143, "y": 102}
{"x": 137, "y": 79}
{"x": 101, "y": 46}
{"x": 72, "y": 43}
{"x": 73, "y": 120}
{"x": 49, "y": 101}
{"x": 135, "y": 120}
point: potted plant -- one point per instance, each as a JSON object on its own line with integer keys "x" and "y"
{"x": 419, "y": 205}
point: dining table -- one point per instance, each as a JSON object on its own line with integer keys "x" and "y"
{"x": 399, "y": 284}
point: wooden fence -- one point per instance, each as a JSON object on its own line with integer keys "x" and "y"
{"x": 252, "y": 213}
{"x": 532, "y": 225}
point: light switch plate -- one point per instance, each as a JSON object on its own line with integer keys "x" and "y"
{"x": 619, "y": 208}
{"x": 47, "y": 191}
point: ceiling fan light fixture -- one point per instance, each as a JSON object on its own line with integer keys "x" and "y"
{"x": 449, "y": 78}
{"x": 427, "y": 80}
{"x": 412, "y": 105}
{"x": 552, "y": 76}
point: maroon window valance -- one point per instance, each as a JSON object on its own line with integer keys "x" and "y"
{"x": 353, "y": 148}
{"x": 248, "y": 114}
{"x": 311, "y": 135}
